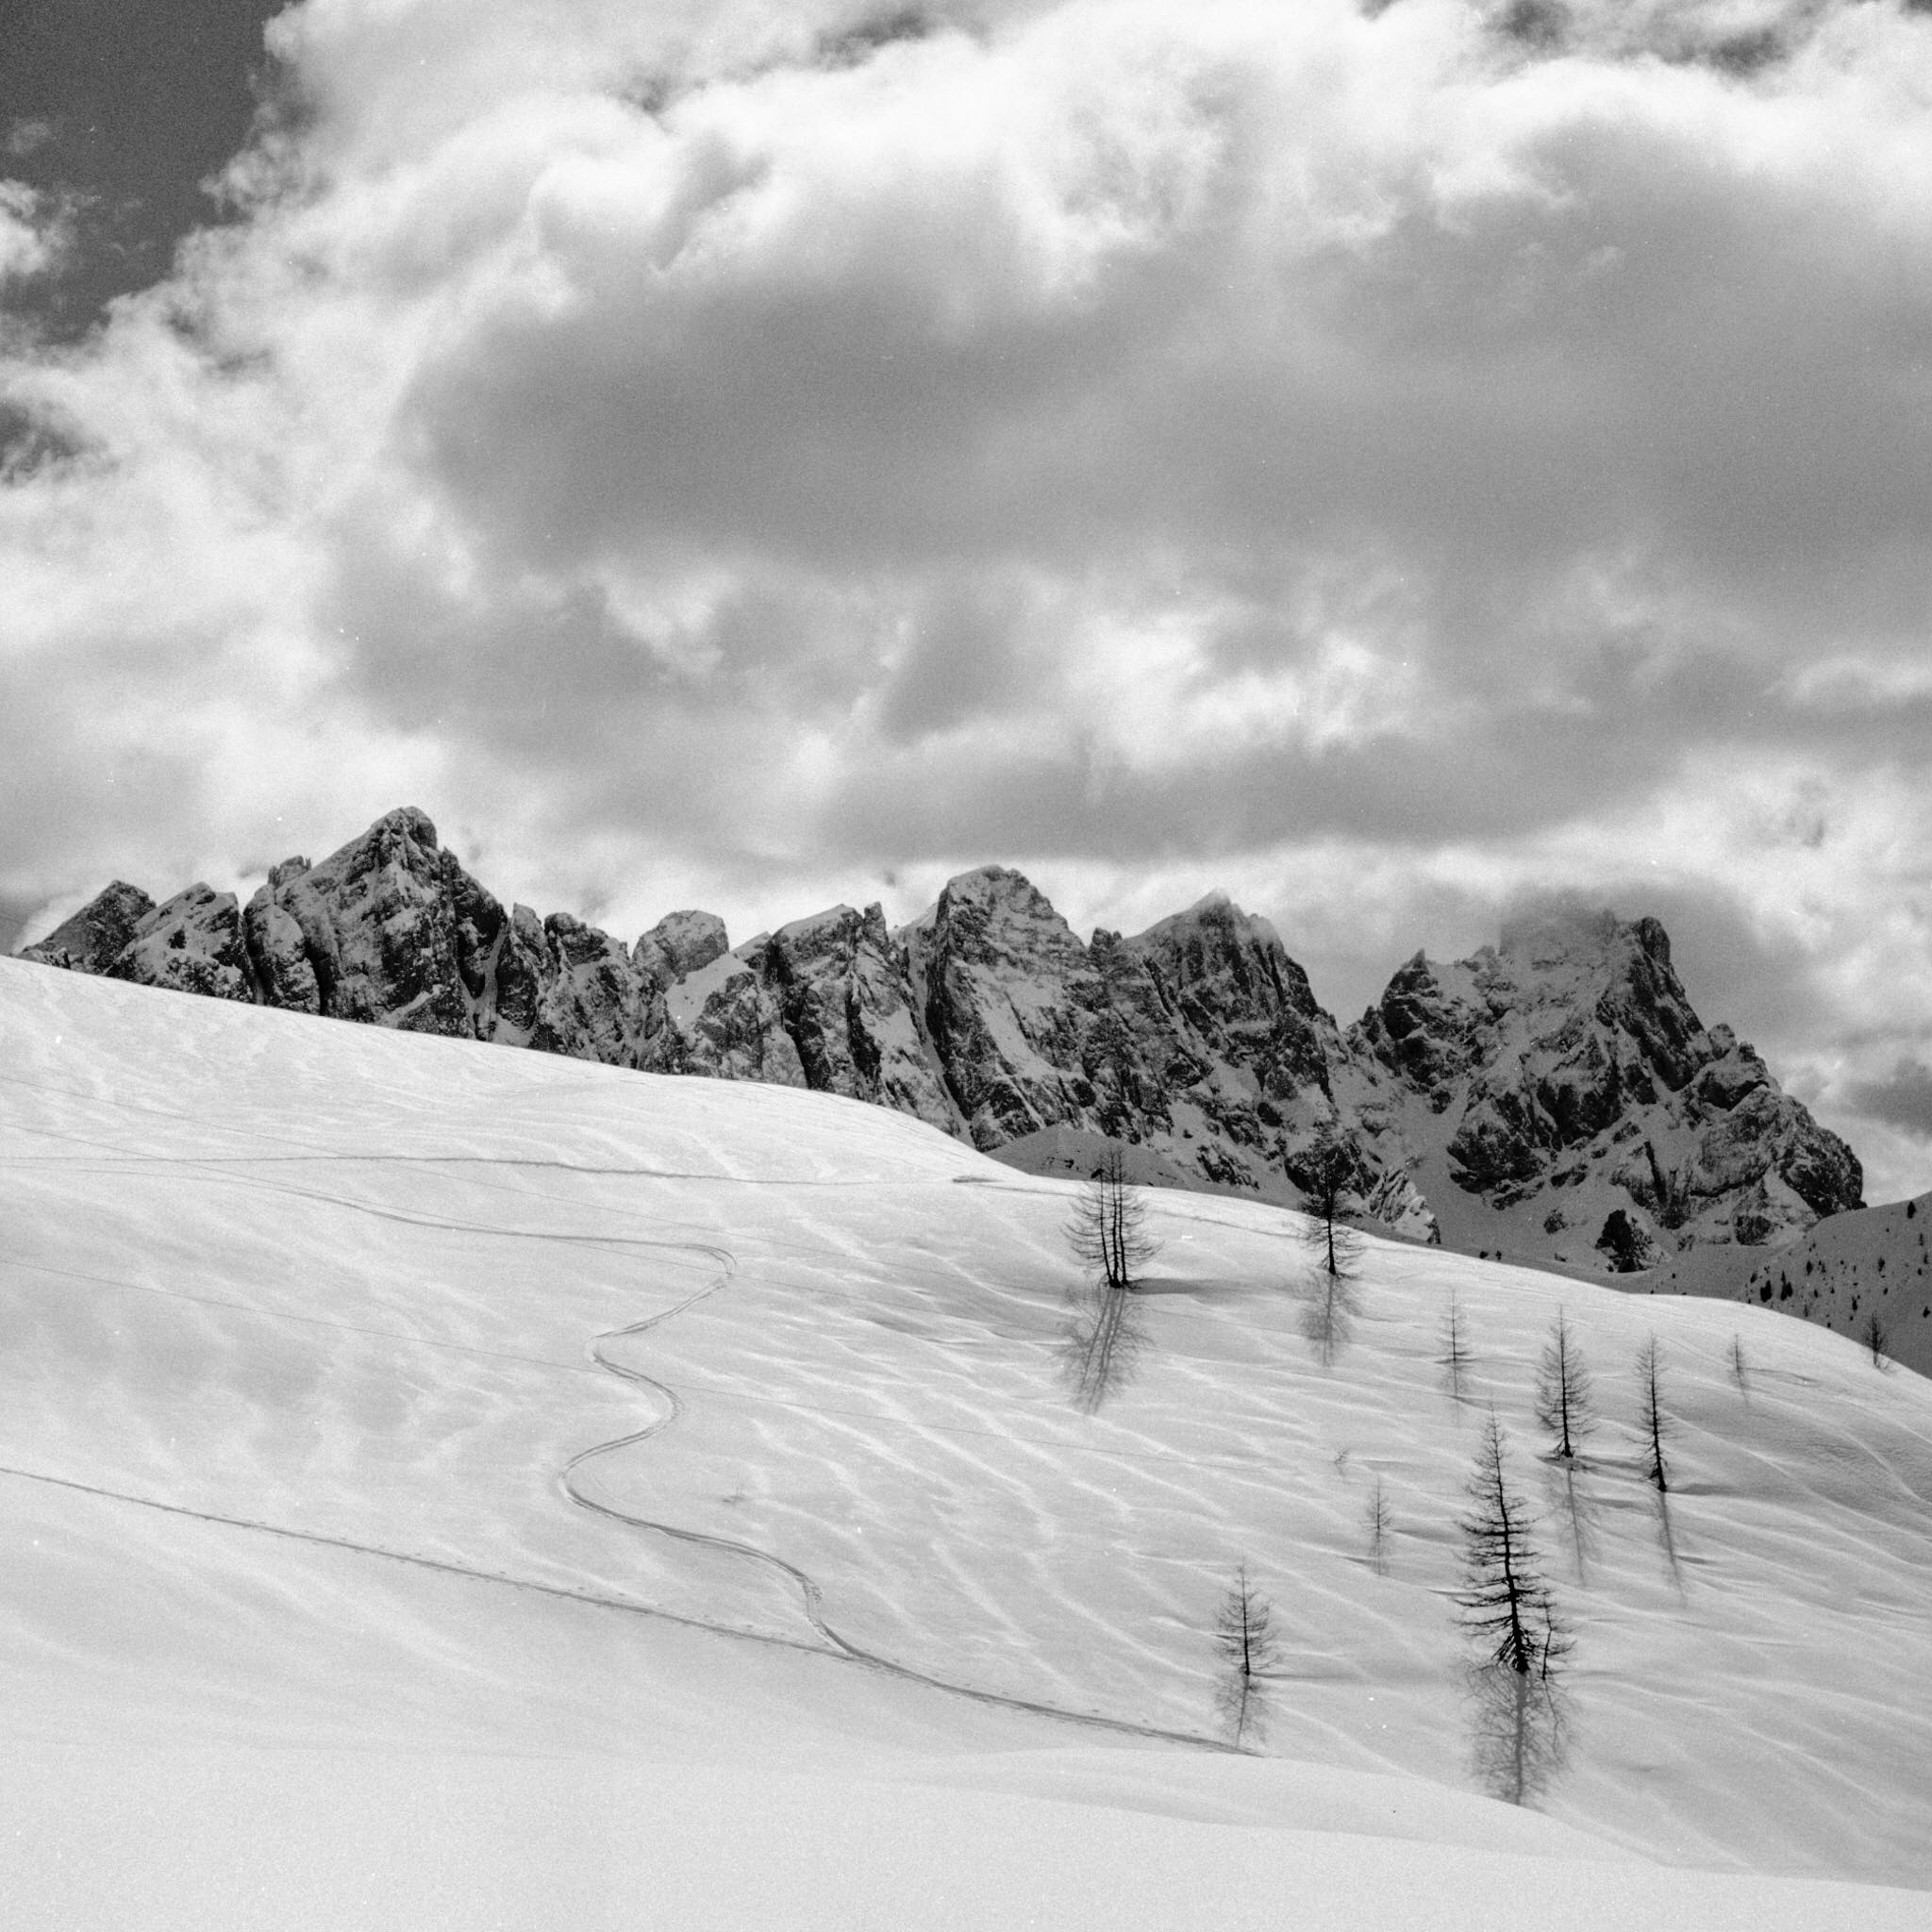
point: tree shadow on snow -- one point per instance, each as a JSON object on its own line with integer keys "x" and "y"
{"x": 1101, "y": 1346}
{"x": 1520, "y": 1731}
{"x": 1568, "y": 1497}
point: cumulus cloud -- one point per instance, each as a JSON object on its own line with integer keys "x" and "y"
{"x": 1379, "y": 459}
{"x": 32, "y": 232}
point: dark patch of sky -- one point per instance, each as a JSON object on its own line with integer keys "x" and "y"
{"x": 121, "y": 114}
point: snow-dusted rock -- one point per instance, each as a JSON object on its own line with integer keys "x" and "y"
{"x": 375, "y": 932}
{"x": 193, "y": 943}
{"x": 1397, "y": 1203}
{"x": 1257, "y": 1046}
{"x": 97, "y": 935}
{"x": 844, "y": 994}
{"x": 1557, "y": 1091}
{"x": 681, "y": 944}
{"x": 1566, "y": 1073}
{"x": 723, "y": 1022}
{"x": 1018, "y": 1014}
{"x": 1229, "y": 977}
{"x": 594, "y": 1001}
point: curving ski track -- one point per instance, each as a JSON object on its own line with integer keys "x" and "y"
{"x": 810, "y": 1594}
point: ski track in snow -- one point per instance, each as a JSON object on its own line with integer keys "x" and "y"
{"x": 876, "y": 1395}
{"x": 811, "y": 1595}
{"x": 810, "y": 1592}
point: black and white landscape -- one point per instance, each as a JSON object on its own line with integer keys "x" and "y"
{"x": 442, "y": 1482}
{"x": 1554, "y": 1098}
{"x": 965, "y": 964}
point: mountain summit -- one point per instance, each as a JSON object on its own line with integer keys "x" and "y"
{"x": 1553, "y": 1097}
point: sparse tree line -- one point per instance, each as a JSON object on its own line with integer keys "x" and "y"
{"x": 1518, "y": 1641}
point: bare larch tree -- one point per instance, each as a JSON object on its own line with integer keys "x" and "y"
{"x": 1108, "y": 1232}
{"x": 1380, "y": 1525}
{"x": 1513, "y": 1628}
{"x": 1324, "y": 1174}
{"x": 1878, "y": 1338}
{"x": 1651, "y": 1421}
{"x": 1562, "y": 1390}
{"x": 1454, "y": 1356}
{"x": 1245, "y": 1641}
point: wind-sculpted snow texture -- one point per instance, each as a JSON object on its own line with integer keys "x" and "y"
{"x": 1556, "y": 1097}
{"x": 400, "y": 1443}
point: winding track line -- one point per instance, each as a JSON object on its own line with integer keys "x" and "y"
{"x": 810, "y": 1594}
{"x": 596, "y": 1598}
{"x": 835, "y": 1645}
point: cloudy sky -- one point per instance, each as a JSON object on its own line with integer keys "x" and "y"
{"x": 1387, "y": 460}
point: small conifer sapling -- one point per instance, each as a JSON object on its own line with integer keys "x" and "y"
{"x": 1650, "y": 1414}
{"x": 1562, "y": 1390}
{"x": 1245, "y": 1641}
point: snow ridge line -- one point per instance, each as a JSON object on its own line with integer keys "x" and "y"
{"x": 811, "y": 1596}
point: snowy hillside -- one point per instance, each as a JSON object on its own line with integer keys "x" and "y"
{"x": 445, "y": 1488}
{"x": 1843, "y": 1273}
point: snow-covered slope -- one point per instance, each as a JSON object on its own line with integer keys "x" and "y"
{"x": 444, "y": 1487}
{"x": 1876, "y": 1262}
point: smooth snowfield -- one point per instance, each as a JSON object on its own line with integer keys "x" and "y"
{"x": 316, "y": 1342}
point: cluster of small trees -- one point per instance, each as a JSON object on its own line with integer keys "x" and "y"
{"x": 1519, "y": 1640}
{"x": 1110, "y": 1239}
{"x": 1518, "y": 1637}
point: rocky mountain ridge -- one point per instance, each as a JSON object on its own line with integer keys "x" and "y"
{"x": 1558, "y": 1089}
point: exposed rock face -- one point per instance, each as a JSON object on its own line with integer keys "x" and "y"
{"x": 1249, "y": 1071}
{"x": 193, "y": 943}
{"x": 1555, "y": 1095}
{"x": 843, "y": 990}
{"x": 1018, "y": 1014}
{"x": 592, "y": 999}
{"x": 1229, "y": 977}
{"x": 682, "y": 943}
{"x": 96, "y": 935}
{"x": 389, "y": 930}
{"x": 1565, "y": 1075}
{"x": 725, "y": 1023}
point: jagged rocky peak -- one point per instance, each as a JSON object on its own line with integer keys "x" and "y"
{"x": 192, "y": 943}
{"x": 723, "y": 1022}
{"x": 388, "y": 930}
{"x": 843, "y": 987}
{"x": 1231, "y": 977}
{"x": 95, "y": 937}
{"x": 1555, "y": 1092}
{"x": 1565, "y": 1073}
{"x": 1010, "y": 999}
{"x": 682, "y": 943}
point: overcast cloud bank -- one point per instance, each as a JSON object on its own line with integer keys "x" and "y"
{"x": 1385, "y": 462}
